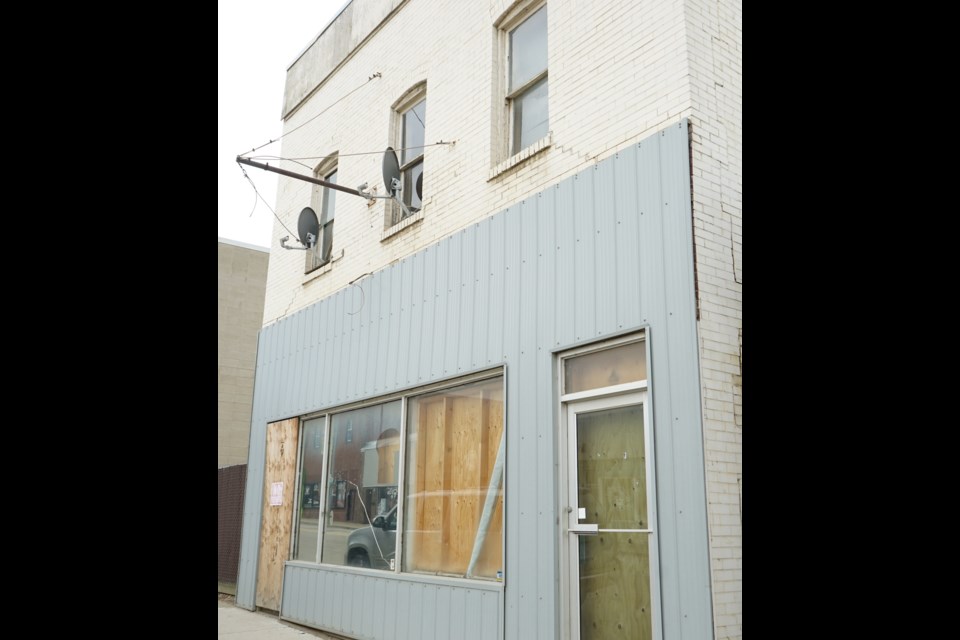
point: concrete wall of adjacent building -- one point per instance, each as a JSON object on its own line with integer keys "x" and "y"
{"x": 241, "y": 284}
{"x": 714, "y": 36}
{"x": 617, "y": 73}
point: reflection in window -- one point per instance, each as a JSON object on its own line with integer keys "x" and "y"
{"x": 453, "y": 438}
{"x": 311, "y": 470}
{"x": 606, "y": 368}
{"x": 362, "y": 487}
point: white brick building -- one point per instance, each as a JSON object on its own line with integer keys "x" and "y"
{"x": 398, "y": 308}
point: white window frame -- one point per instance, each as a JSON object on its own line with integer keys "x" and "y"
{"x": 318, "y": 201}
{"x": 395, "y": 217}
{"x": 502, "y": 143}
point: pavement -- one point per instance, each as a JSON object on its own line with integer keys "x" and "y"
{"x": 234, "y": 623}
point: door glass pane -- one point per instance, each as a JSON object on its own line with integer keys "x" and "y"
{"x": 615, "y": 587}
{"x": 311, "y": 475}
{"x": 611, "y": 468}
{"x": 614, "y": 567}
{"x": 617, "y": 365}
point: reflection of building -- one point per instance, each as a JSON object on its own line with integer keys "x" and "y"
{"x": 552, "y": 327}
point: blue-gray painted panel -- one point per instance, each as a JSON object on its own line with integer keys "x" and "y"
{"x": 495, "y": 319}
{"x": 481, "y": 304}
{"x": 391, "y": 612}
{"x": 404, "y": 333}
{"x": 440, "y": 321}
{"x": 443, "y": 615}
{"x": 628, "y": 257}
{"x": 565, "y": 284}
{"x": 467, "y": 328}
{"x": 490, "y": 615}
{"x": 373, "y": 333}
{"x": 471, "y": 618}
{"x": 453, "y": 304}
{"x": 354, "y": 305}
{"x": 585, "y": 304}
{"x": 458, "y": 614}
{"x": 429, "y": 307}
{"x": 415, "y": 338}
{"x": 428, "y": 627}
{"x": 357, "y": 604}
{"x": 605, "y": 236}
{"x": 404, "y": 614}
{"x": 511, "y": 283}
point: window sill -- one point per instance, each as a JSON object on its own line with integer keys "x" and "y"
{"x": 400, "y": 226}
{"x": 316, "y": 273}
{"x": 523, "y": 156}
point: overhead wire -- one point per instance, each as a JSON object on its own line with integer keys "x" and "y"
{"x": 264, "y": 201}
{"x": 341, "y": 155}
{"x": 303, "y": 124}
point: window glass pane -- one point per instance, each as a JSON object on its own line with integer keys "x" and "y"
{"x": 410, "y": 176}
{"x": 530, "y": 118}
{"x": 360, "y": 523}
{"x": 528, "y": 49}
{"x": 311, "y": 470}
{"x": 453, "y": 439}
{"x": 617, "y": 365}
{"x": 326, "y": 220}
{"x": 414, "y": 123}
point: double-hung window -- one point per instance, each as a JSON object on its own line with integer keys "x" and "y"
{"x": 324, "y": 201}
{"x": 527, "y": 81}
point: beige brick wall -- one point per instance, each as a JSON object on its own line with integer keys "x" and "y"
{"x": 241, "y": 285}
{"x": 617, "y": 74}
{"x": 714, "y": 49}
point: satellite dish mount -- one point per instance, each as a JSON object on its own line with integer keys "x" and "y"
{"x": 308, "y": 229}
{"x": 391, "y": 180}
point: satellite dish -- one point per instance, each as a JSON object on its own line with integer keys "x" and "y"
{"x": 420, "y": 186}
{"x": 391, "y": 170}
{"x": 308, "y": 227}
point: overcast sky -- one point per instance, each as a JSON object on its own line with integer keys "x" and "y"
{"x": 256, "y": 42}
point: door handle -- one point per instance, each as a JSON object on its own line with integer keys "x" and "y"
{"x": 585, "y": 529}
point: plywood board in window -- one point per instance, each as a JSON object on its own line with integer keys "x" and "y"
{"x": 281, "y": 466}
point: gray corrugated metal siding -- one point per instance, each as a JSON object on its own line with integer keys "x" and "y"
{"x": 603, "y": 252}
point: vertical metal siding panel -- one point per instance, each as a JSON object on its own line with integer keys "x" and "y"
{"x": 605, "y": 239}
{"x": 397, "y": 303}
{"x": 527, "y": 485}
{"x": 336, "y": 611}
{"x": 404, "y": 613}
{"x": 496, "y": 308}
{"x": 458, "y": 614}
{"x": 441, "y": 299}
{"x": 373, "y": 333}
{"x": 416, "y": 620}
{"x": 383, "y": 335}
{"x": 429, "y": 614}
{"x": 490, "y": 615}
{"x": 322, "y": 362}
{"x": 354, "y": 305}
{"x": 442, "y": 616}
{"x": 468, "y": 322}
{"x": 628, "y": 247}
{"x": 342, "y": 348}
{"x": 471, "y": 615}
{"x": 428, "y": 306}
{"x": 276, "y": 357}
{"x": 391, "y": 613}
{"x": 357, "y": 589}
{"x": 585, "y": 305}
{"x": 691, "y": 507}
{"x": 415, "y": 336}
{"x": 404, "y": 331}
{"x": 481, "y": 327}
{"x": 363, "y": 335}
{"x": 453, "y": 303}
{"x": 374, "y": 599}
{"x": 566, "y": 265}
{"x": 511, "y": 283}
{"x": 324, "y": 598}
{"x": 315, "y": 352}
{"x": 651, "y": 248}
{"x": 510, "y": 320}
{"x": 300, "y": 591}
{"x": 544, "y": 399}
{"x": 303, "y": 397}
{"x": 286, "y": 347}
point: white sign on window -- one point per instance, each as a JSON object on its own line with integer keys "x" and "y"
{"x": 276, "y": 494}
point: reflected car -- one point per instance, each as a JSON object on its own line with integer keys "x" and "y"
{"x": 375, "y": 544}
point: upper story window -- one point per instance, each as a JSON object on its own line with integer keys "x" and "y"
{"x": 410, "y": 117}
{"x": 323, "y": 201}
{"x": 527, "y": 83}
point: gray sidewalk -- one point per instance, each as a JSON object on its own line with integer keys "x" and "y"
{"x": 234, "y": 623}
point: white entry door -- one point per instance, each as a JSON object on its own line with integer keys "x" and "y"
{"x": 611, "y": 539}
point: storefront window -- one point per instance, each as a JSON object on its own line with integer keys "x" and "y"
{"x": 453, "y": 518}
